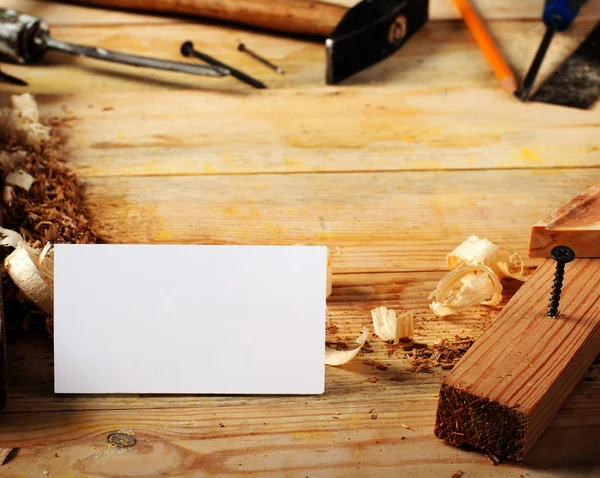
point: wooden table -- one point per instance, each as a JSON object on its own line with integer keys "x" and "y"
{"x": 396, "y": 167}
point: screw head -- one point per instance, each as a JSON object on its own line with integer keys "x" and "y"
{"x": 187, "y": 48}
{"x": 563, "y": 254}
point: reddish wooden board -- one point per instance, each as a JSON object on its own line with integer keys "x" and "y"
{"x": 576, "y": 224}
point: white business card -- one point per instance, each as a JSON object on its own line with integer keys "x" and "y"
{"x": 189, "y": 319}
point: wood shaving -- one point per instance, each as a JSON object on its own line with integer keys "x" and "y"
{"x": 458, "y": 474}
{"x": 375, "y": 364}
{"x": 493, "y": 459}
{"x": 372, "y": 379}
{"x": 406, "y": 426}
{"x": 373, "y": 416}
{"x": 4, "y": 452}
{"x": 390, "y": 327}
{"x": 476, "y": 268}
{"x": 340, "y": 357}
{"x": 53, "y": 210}
{"x": 445, "y": 354}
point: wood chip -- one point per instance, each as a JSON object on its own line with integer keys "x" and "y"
{"x": 376, "y": 364}
{"x": 406, "y": 426}
{"x": 445, "y": 355}
{"x": 493, "y": 459}
{"x": 373, "y": 416}
{"x": 372, "y": 379}
{"x": 4, "y": 452}
{"x": 396, "y": 378}
{"x": 458, "y": 474}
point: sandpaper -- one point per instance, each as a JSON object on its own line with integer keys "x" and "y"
{"x": 576, "y": 83}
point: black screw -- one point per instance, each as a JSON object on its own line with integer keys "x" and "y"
{"x": 562, "y": 255}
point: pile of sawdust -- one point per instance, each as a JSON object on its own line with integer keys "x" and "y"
{"x": 52, "y": 210}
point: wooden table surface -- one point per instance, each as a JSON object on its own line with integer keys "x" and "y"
{"x": 396, "y": 167}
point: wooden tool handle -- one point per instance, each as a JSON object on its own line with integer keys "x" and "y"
{"x": 307, "y": 17}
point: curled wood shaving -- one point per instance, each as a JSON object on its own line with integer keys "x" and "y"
{"x": 476, "y": 268}
{"x": 9, "y": 238}
{"x": 341, "y": 357}
{"x": 392, "y": 328}
{"x": 464, "y": 287}
{"x": 21, "y": 122}
{"x": 4, "y": 452}
{"x": 22, "y": 266}
{"x": 476, "y": 251}
{"x": 19, "y": 178}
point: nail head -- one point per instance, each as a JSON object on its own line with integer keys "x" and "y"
{"x": 186, "y": 48}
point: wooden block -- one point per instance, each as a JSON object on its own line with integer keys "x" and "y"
{"x": 576, "y": 224}
{"x": 507, "y": 388}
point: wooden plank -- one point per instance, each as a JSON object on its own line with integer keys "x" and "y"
{"x": 315, "y": 437}
{"x": 422, "y": 64}
{"x": 576, "y": 224}
{"x": 511, "y": 383}
{"x": 188, "y": 133}
{"x": 63, "y": 13}
{"x": 408, "y": 212}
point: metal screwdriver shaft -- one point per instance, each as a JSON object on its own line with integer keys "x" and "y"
{"x": 537, "y": 62}
{"x": 26, "y": 39}
{"x": 562, "y": 255}
{"x": 126, "y": 59}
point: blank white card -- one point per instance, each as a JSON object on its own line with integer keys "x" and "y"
{"x": 189, "y": 319}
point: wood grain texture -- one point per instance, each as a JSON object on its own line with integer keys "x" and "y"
{"x": 62, "y": 13}
{"x": 576, "y": 224}
{"x": 396, "y": 167}
{"x": 391, "y": 217}
{"x": 505, "y": 391}
{"x": 420, "y": 67}
{"x": 305, "y": 17}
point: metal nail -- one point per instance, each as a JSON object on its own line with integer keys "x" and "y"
{"x": 264, "y": 61}
{"x": 187, "y": 50}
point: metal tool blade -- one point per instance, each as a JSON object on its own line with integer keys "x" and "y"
{"x": 370, "y": 32}
{"x": 133, "y": 60}
{"x": 576, "y": 83}
{"x": 13, "y": 80}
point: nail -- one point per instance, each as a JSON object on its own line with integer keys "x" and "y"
{"x": 562, "y": 255}
{"x": 187, "y": 50}
{"x": 264, "y": 61}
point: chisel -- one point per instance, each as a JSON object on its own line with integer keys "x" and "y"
{"x": 557, "y": 16}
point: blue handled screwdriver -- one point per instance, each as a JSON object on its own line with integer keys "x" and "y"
{"x": 558, "y": 16}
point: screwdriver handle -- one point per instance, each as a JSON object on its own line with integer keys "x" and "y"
{"x": 559, "y": 14}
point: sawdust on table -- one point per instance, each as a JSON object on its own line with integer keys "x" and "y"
{"x": 53, "y": 210}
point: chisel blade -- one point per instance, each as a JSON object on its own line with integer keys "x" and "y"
{"x": 370, "y": 32}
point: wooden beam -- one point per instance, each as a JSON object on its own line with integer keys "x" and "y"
{"x": 576, "y": 224}
{"x": 511, "y": 383}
